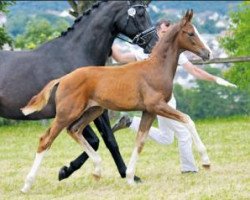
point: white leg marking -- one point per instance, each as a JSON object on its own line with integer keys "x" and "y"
{"x": 97, "y": 165}
{"x": 130, "y": 172}
{"x": 94, "y": 156}
{"x": 197, "y": 141}
{"x": 33, "y": 172}
{"x": 201, "y": 39}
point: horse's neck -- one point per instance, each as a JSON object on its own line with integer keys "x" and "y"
{"x": 90, "y": 40}
{"x": 167, "y": 51}
{"x": 166, "y": 60}
{"x": 171, "y": 61}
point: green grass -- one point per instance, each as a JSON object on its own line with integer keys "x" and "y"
{"x": 227, "y": 141}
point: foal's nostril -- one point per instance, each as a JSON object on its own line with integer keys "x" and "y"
{"x": 206, "y": 54}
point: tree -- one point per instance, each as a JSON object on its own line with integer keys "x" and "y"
{"x": 79, "y": 7}
{"x": 209, "y": 100}
{"x": 4, "y": 37}
{"x": 39, "y": 31}
{"x": 237, "y": 43}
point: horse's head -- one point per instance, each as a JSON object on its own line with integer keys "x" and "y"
{"x": 189, "y": 38}
{"x": 133, "y": 21}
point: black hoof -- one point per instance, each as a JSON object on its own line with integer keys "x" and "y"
{"x": 137, "y": 179}
{"x": 63, "y": 173}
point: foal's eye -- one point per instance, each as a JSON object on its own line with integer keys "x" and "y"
{"x": 191, "y": 34}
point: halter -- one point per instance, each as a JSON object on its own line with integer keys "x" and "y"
{"x": 140, "y": 38}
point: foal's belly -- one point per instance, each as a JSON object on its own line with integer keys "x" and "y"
{"x": 124, "y": 105}
{"x": 120, "y": 101}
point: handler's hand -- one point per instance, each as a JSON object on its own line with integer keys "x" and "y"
{"x": 223, "y": 82}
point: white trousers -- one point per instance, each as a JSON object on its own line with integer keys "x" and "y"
{"x": 164, "y": 134}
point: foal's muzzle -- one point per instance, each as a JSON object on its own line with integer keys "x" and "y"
{"x": 204, "y": 54}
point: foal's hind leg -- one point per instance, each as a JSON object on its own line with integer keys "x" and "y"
{"x": 145, "y": 124}
{"x": 44, "y": 144}
{"x": 75, "y": 131}
{"x": 165, "y": 110}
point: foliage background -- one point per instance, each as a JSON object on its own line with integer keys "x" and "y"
{"x": 237, "y": 43}
{"x": 4, "y": 37}
{"x": 38, "y": 31}
{"x": 209, "y": 100}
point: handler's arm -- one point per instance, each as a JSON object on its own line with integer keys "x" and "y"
{"x": 198, "y": 72}
{"x": 122, "y": 57}
{"x": 203, "y": 75}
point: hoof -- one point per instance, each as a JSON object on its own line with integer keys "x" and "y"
{"x": 25, "y": 189}
{"x": 206, "y": 166}
{"x": 63, "y": 173}
{"x": 137, "y": 179}
{"x": 96, "y": 177}
{"x": 131, "y": 182}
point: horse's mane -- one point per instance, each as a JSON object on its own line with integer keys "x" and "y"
{"x": 78, "y": 19}
{"x": 164, "y": 43}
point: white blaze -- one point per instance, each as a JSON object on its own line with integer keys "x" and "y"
{"x": 203, "y": 41}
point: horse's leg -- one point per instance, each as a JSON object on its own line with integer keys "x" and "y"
{"x": 165, "y": 110}
{"x": 44, "y": 144}
{"x": 145, "y": 124}
{"x": 93, "y": 140}
{"x": 74, "y": 165}
{"x": 105, "y": 116}
{"x": 103, "y": 126}
{"x": 75, "y": 130}
{"x": 110, "y": 142}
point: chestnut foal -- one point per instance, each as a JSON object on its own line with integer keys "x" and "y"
{"x": 143, "y": 86}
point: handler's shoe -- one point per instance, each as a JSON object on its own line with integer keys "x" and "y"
{"x": 189, "y": 172}
{"x": 124, "y": 122}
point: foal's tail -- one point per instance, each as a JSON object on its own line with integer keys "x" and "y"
{"x": 39, "y": 101}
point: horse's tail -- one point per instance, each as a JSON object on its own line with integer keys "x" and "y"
{"x": 39, "y": 101}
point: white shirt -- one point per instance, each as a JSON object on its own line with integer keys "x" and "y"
{"x": 140, "y": 55}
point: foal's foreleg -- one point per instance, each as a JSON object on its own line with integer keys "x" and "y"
{"x": 145, "y": 124}
{"x": 75, "y": 131}
{"x": 44, "y": 144}
{"x": 167, "y": 111}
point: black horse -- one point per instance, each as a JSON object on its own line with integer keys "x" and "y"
{"x": 87, "y": 42}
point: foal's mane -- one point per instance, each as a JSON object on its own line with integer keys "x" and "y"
{"x": 164, "y": 43}
{"x": 78, "y": 19}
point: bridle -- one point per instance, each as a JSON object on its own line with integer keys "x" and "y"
{"x": 140, "y": 38}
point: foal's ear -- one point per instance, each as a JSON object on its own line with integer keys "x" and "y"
{"x": 187, "y": 18}
{"x": 190, "y": 15}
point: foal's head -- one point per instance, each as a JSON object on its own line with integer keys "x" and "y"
{"x": 189, "y": 38}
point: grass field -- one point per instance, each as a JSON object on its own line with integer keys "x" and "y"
{"x": 227, "y": 141}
